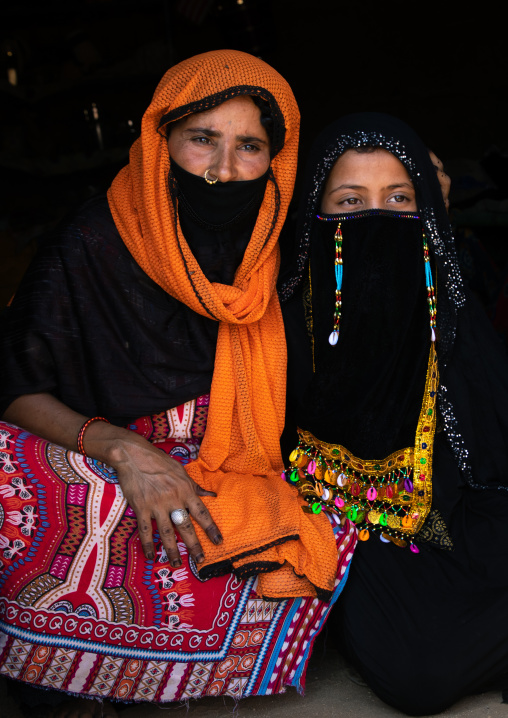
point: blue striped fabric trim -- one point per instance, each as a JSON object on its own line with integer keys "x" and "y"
{"x": 266, "y": 643}
{"x": 276, "y": 650}
{"x": 296, "y": 681}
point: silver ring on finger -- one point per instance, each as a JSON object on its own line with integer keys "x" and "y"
{"x": 179, "y": 516}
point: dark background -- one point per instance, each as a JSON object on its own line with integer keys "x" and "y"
{"x": 85, "y": 71}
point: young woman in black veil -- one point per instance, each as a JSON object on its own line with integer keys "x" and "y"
{"x": 403, "y": 425}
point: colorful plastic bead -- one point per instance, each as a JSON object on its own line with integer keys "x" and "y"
{"x": 371, "y": 494}
{"x": 414, "y": 548}
{"x": 311, "y": 468}
{"x": 341, "y": 479}
{"x": 316, "y": 507}
{"x": 364, "y": 535}
{"x": 339, "y": 502}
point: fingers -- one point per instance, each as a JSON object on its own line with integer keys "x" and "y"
{"x": 444, "y": 180}
{"x": 145, "y": 533}
{"x": 188, "y": 536}
{"x": 203, "y": 517}
{"x": 204, "y": 492}
{"x": 168, "y": 538}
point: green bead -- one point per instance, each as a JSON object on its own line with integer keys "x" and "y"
{"x": 423, "y": 460}
{"x": 294, "y": 476}
{"x": 430, "y": 412}
{"x": 383, "y": 519}
{"x": 316, "y": 507}
{"x": 352, "y": 514}
{"x": 335, "y": 452}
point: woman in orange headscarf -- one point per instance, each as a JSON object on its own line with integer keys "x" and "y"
{"x": 160, "y": 303}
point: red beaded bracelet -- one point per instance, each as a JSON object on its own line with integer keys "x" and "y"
{"x": 81, "y": 434}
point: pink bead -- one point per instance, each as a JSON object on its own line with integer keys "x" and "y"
{"x": 283, "y": 476}
{"x": 311, "y": 468}
{"x": 371, "y": 493}
{"x": 339, "y": 503}
{"x": 414, "y": 548}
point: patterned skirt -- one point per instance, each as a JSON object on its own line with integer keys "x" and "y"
{"x": 82, "y": 611}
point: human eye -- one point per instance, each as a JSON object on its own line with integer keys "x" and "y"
{"x": 400, "y": 198}
{"x": 201, "y": 140}
{"x": 250, "y": 147}
{"x": 349, "y": 202}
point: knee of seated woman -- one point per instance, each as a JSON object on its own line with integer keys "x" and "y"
{"x": 415, "y": 687}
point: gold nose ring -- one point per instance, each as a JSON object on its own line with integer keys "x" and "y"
{"x": 208, "y": 180}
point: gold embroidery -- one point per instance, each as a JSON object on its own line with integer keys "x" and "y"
{"x": 392, "y": 495}
{"x": 435, "y": 532}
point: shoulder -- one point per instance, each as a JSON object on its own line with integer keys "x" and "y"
{"x": 92, "y": 222}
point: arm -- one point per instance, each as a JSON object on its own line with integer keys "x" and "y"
{"x": 153, "y": 483}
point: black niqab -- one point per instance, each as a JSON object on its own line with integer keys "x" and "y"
{"x": 217, "y": 220}
{"x": 367, "y": 390}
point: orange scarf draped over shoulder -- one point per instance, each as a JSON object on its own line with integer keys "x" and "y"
{"x": 260, "y": 516}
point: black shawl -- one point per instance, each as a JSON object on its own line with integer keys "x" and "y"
{"x": 90, "y": 327}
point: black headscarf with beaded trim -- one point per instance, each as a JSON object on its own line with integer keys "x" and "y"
{"x": 473, "y": 392}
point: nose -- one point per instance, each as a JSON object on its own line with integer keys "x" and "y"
{"x": 225, "y": 166}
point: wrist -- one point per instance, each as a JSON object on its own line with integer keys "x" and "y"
{"x": 109, "y": 443}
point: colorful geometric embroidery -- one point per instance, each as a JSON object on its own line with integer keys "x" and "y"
{"x": 82, "y": 610}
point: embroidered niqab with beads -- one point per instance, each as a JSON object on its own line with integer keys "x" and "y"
{"x": 367, "y": 416}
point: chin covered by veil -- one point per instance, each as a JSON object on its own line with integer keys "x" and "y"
{"x": 399, "y": 388}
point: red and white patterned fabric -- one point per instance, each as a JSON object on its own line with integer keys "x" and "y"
{"x": 82, "y": 610}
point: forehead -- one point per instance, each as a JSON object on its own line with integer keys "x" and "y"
{"x": 376, "y": 163}
{"x": 237, "y": 108}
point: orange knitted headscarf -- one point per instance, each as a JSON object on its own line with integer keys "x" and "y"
{"x": 260, "y": 516}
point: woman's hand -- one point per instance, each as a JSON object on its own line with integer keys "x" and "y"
{"x": 152, "y": 482}
{"x": 154, "y": 485}
{"x": 443, "y": 178}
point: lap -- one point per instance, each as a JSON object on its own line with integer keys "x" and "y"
{"x": 82, "y": 610}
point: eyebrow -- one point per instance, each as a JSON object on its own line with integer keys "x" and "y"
{"x": 359, "y": 186}
{"x": 214, "y": 133}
